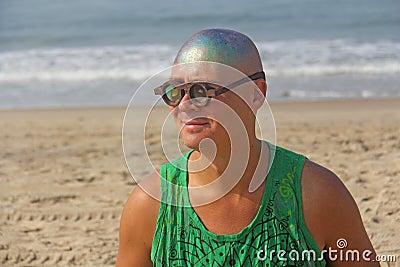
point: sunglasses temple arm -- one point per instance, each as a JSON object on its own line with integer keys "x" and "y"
{"x": 231, "y": 86}
{"x": 237, "y": 83}
{"x": 255, "y": 76}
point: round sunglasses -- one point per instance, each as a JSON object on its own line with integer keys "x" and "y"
{"x": 200, "y": 93}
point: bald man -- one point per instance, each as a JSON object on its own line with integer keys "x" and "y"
{"x": 300, "y": 214}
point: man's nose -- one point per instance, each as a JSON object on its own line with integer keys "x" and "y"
{"x": 186, "y": 104}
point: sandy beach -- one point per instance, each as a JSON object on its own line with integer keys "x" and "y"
{"x": 63, "y": 178}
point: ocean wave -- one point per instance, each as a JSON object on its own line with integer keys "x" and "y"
{"x": 330, "y": 57}
{"x": 280, "y": 58}
{"x": 385, "y": 68}
{"x": 76, "y": 75}
{"x": 329, "y": 94}
{"x": 84, "y": 64}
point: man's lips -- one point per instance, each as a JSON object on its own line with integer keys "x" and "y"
{"x": 195, "y": 123}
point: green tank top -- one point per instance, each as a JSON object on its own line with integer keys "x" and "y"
{"x": 277, "y": 236}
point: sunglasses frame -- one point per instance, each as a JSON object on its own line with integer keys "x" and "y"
{"x": 210, "y": 91}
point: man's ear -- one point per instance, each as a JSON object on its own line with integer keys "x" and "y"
{"x": 259, "y": 95}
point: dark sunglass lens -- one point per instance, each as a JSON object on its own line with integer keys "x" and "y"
{"x": 197, "y": 91}
{"x": 198, "y": 95}
{"x": 172, "y": 94}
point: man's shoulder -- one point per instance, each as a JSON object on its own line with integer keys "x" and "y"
{"x": 141, "y": 208}
{"x": 320, "y": 183}
{"x": 326, "y": 202}
{"x": 145, "y": 194}
{"x": 137, "y": 226}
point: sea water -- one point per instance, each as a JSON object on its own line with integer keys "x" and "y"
{"x": 98, "y": 52}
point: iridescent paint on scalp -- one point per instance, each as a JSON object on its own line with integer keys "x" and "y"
{"x": 223, "y": 46}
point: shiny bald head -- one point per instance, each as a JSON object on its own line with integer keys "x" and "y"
{"x": 223, "y": 46}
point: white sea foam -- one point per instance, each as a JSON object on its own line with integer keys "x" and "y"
{"x": 297, "y": 69}
{"x": 85, "y": 64}
{"x": 330, "y": 57}
{"x": 297, "y": 57}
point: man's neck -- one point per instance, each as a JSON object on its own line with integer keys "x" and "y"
{"x": 225, "y": 170}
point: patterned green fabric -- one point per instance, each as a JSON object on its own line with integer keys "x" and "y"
{"x": 181, "y": 239}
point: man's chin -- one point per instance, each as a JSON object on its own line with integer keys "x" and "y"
{"x": 192, "y": 145}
